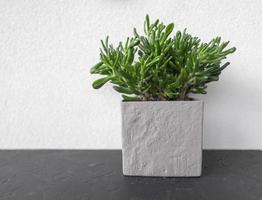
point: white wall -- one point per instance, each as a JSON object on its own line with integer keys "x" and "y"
{"x": 48, "y": 47}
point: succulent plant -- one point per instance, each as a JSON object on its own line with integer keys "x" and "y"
{"x": 158, "y": 67}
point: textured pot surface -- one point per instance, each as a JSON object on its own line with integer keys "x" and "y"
{"x": 162, "y": 138}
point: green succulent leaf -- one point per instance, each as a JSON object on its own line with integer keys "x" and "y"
{"x": 131, "y": 98}
{"x": 100, "y": 82}
{"x": 94, "y": 69}
{"x": 123, "y": 90}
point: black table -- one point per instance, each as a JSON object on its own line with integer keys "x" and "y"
{"x": 96, "y": 174}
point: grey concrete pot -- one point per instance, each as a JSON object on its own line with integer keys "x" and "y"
{"x": 162, "y": 138}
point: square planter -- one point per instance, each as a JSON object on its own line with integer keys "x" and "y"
{"x": 162, "y": 138}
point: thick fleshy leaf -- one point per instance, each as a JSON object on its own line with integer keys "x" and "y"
{"x": 131, "y": 98}
{"x": 123, "y": 90}
{"x": 100, "y": 82}
{"x": 95, "y": 68}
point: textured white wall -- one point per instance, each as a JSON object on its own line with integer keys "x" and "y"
{"x": 48, "y": 47}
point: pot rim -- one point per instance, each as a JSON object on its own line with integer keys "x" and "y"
{"x": 179, "y": 101}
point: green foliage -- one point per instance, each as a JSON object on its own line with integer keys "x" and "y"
{"x": 156, "y": 66}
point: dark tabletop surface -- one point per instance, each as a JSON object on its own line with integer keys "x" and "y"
{"x": 96, "y": 174}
